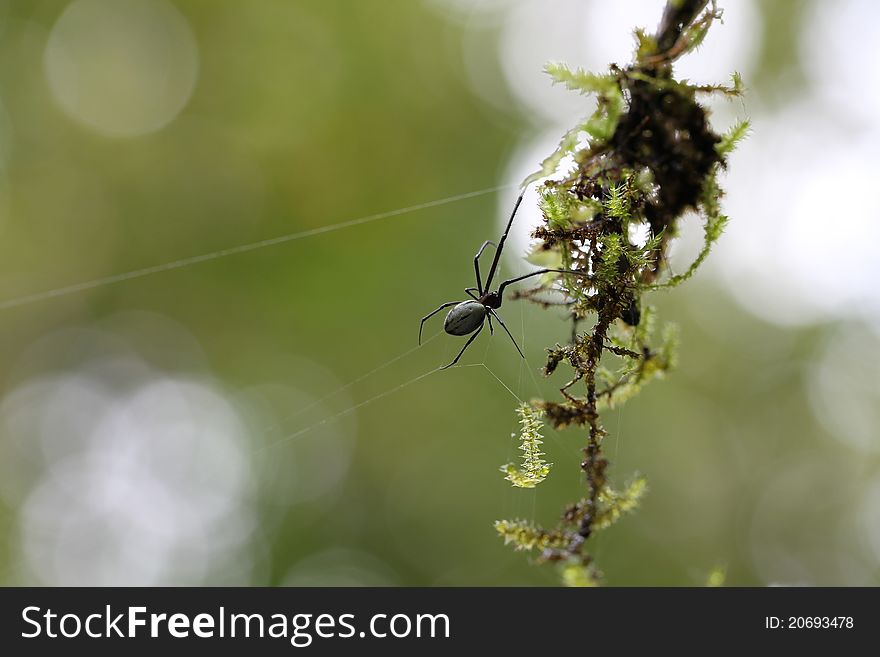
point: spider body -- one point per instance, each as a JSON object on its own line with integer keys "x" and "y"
{"x": 469, "y": 317}
{"x": 465, "y": 318}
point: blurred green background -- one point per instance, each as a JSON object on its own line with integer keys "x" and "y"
{"x": 196, "y": 425}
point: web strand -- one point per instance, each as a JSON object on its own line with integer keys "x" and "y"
{"x": 386, "y": 393}
{"x": 353, "y": 408}
{"x": 506, "y": 387}
{"x": 243, "y": 248}
{"x": 353, "y": 382}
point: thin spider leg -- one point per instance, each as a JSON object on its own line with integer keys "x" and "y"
{"x": 466, "y": 345}
{"x": 492, "y": 313}
{"x": 431, "y": 314}
{"x": 510, "y": 281}
{"x": 470, "y": 292}
{"x": 564, "y": 389}
{"x": 477, "y": 264}
{"x": 491, "y": 328}
{"x": 501, "y": 242}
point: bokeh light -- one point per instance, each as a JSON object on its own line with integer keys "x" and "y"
{"x": 136, "y": 476}
{"x": 121, "y": 67}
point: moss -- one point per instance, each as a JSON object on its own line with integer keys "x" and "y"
{"x": 533, "y": 469}
{"x": 646, "y": 156}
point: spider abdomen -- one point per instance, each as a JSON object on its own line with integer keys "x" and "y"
{"x": 465, "y": 318}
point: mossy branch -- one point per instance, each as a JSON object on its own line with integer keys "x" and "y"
{"x": 644, "y": 158}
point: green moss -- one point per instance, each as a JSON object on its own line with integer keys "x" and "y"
{"x": 533, "y": 469}
{"x": 646, "y": 156}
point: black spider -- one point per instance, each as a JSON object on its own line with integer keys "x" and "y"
{"x": 469, "y": 316}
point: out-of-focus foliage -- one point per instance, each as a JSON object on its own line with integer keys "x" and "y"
{"x": 144, "y": 425}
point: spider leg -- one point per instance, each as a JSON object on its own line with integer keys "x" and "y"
{"x": 477, "y": 263}
{"x": 501, "y": 242}
{"x": 466, "y": 345}
{"x": 510, "y": 281}
{"x": 431, "y": 314}
{"x": 492, "y": 313}
{"x": 470, "y": 292}
{"x": 491, "y": 328}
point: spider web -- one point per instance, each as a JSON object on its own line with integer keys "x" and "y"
{"x": 65, "y": 290}
{"x": 385, "y": 393}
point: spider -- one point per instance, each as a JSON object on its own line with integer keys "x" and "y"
{"x": 470, "y": 316}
